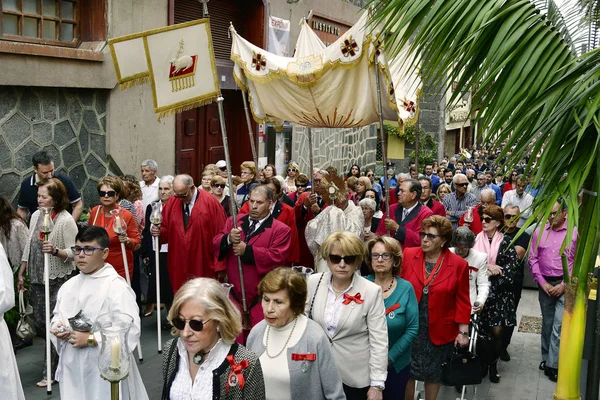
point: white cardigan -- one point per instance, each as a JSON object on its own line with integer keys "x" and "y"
{"x": 479, "y": 283}
{"x": 62, "y": 236}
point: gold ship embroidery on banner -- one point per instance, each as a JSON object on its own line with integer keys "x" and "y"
{"x": 182, "y": 70}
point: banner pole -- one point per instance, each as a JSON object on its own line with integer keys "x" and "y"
{"x": 383, "y": 144}
{"x": 250, "y": 131}
{"x": 310, "y": 158}
{"x": 157, "y": 272}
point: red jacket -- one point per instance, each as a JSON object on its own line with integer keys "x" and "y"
{"x": 449, "y": 303}
{"x": 284, "y": 213}
{"x": 436, "y": 207}
{"x": 408, "y": 232}
{"x": 476, "y": 226}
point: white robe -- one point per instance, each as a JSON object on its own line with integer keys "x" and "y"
{"x": 103, "y": 292}
{"x": 10, "y": 382}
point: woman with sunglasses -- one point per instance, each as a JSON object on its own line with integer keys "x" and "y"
{"x": 500, "y": 311}
{"x": 218, "y": 184}
{"x": 441, "y": 283}
{"x": 350, "y": 310}
{"x": 110, "y": 189}
{"x": 204, "y": 361}
{"x": 302, "y": 183}
{"x": 52, "y": 193}
{"x": 384, "y": 256}
{"x": 289, "y": 183}
{"x": 294, "y": 352}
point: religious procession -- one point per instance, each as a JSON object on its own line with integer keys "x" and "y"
{"x": 299, "y": 200}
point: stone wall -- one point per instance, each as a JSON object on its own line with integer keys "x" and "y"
{"x": 70, "y": 124}
{"x": 432, "y": 114}
{"x": 338, "y": 147}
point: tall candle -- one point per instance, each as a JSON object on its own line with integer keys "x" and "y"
{"x": 115, "y": 354}
{"x": 46, "y": 223}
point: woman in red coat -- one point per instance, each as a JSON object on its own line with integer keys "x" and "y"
{"x": 441, "y": 282}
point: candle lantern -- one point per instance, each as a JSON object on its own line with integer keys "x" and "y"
{"x": 45, "y": 223}
{"x": 156, "y": 216}
{"x": 119, "y": 224}
{"x": 115, "y": 357}
{"x": 469, "y": 215}
{"x": 227, "y": 288}
{"x": 304, "y": 271}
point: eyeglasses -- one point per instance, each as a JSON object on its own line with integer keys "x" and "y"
{"x": 219, "y": 185}
{"x": 384, "y": 256}
{"x": 370, "y": 175}
{"x": 462, "y": 184}
{"x": 336, "y": 259}
{"x": 301, "y": 186}
{"x": 292, "y": 170}
{"x": 223, "y": 169}
{"x": 553, "y": 214}
{"x": 246, "y": 173}
{"x": 509, "y": 216}
{"x": 487, "y": 220}
{"x": 87, "y": 250}
{"x": 107, "y": 193}
{"x": 195, "y": 324}
{"x": 429, "y": 236}
{"x": 182, "y": 196}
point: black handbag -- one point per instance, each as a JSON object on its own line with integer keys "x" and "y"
{"x": 462, "y": 368}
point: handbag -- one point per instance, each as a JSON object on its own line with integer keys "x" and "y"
{"x": 462, "y": 368}
{"x": 25, "y": 326}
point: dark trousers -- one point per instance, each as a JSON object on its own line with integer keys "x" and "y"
{"x": 507, "y": 332}
{"x": 166, "y": 293}
{"x": 355, "y": 393}
{"x": 395, "y": 384}
{"x": 135, "y": 279}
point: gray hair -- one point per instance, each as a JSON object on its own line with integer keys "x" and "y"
{"x": 511, "y": 205}
{"x": 488, "y": 192}
{"x": 481, "y": 174}
{"x": 463, "y": 235}
{"x": 263, "y": 189}
{"x": 150, "y": 163}
{"x": 403, "y": 176}
{"x": 458, "y": 176}
{"x": 185, "y": 179}
{"x": 370, "y": 203}
{"x": 168, "y": 179}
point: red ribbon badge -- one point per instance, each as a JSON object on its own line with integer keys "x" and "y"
{"x": 302, "y": 357}
{"x": 236, "y": 369}
{"x": 356, "y": 298}
{"x": 474, "y": 269}
{"x": 392, "y": 308}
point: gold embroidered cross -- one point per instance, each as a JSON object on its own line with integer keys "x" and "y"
{"x": 349, "y": 47}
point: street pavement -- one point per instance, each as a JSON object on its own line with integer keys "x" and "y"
{"x": 521, "y": 379}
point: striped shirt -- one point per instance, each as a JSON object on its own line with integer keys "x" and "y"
{"x": 458, "y": 207}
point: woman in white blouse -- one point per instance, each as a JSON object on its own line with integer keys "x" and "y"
{"x": 205, "y": 352}
{"x": 351, "y": 311}
{"x": 294, "y": 352}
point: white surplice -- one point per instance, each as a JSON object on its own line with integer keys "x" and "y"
{"x": 100, "y": 293}
{"x": 10, "y": 382}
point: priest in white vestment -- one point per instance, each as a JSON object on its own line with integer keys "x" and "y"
{"x": 97, "y": 290}
{"x": 10, "y": 382}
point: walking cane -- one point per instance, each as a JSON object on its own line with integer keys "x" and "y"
{"x": 156, "y": 221}
{"x": 245, "y": 312}
{"x": 45, "y": 228}
{"x": 120, "y": 228}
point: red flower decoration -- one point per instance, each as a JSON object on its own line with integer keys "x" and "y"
{"x": 349, "y": 299}
{"x": 235, "y": 374}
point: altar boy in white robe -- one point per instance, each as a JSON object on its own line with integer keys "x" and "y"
{"x": 10, "y": 383}
{"x": 97, "y": 290}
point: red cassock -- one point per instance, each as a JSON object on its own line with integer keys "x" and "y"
{"x": 436, "y": 207}
{"x": 283, "y": 213}
{"x": 449, "y": 303}
{"x": 190, "y": 250}
{"x": 476, "y": 226}
{"x": 268, "y": 248}
{"x": 408, "y": 232}
{"x": 303, "y": 216}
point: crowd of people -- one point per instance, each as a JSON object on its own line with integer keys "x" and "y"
{"x": 314, "y": 290}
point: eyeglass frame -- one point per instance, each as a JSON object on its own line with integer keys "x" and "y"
{"x": 430, "y": 236}
{"x": 107, "y": 193}
{"x": 78, "y": 249}
{"x": 383, "y": 256}
{"x": 348, "y": 260}
{"x": 188, "y": 322}
{"x": 180, "y": 196}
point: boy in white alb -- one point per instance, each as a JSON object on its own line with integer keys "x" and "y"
{"x": 97, "y": 290}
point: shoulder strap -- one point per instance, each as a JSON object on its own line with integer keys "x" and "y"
{"x": 312, "y": 302}
{"x": 170, "y": 364}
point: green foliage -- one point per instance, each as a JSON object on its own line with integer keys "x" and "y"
{"x": 427, "y": 142}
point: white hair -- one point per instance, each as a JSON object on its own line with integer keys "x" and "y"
{"x": 168, "y": 179}
{"x": 488, "y": 192}
{"x": 367, "y": 202}
{"x": 457, "y": 176}
{"x": 150, "y": 163}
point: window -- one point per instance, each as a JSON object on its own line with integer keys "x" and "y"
{"x": 53, "y": 22}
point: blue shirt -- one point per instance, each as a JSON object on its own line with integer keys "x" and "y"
{"x": 402, "y": 322}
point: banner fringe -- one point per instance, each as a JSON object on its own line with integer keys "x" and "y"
{"x": 181, "y": 109}
{"x": 134, "y": 82}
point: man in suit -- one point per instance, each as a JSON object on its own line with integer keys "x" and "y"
{"x": 407, "y": 215}
{"x": 426, "y": 189}
{"x": 191, "y": 219}
{"x": 262, "y": 243}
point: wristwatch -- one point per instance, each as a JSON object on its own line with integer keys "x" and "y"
{"x": 91, "y": 340}
{"x": 466, "y": 334}
{"x": 378, "y": 387}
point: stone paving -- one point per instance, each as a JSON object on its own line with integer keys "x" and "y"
{"x": 521, "y": 379}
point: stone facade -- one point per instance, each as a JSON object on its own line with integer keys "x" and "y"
{"x": 338, "y": 147}
{"x": 70, "y": 124}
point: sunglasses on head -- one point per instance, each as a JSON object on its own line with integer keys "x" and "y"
{"x": 336, "y": 259}
{"x": 107, "y": 193}
{"x": 292, "y": 170}
{"x": 219, "y": 185}
{"x": 509, "y": 216}
{"x": 195, "y": 324}
{"x": 429, "y": 236}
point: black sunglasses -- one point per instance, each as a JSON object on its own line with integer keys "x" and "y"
{"x": 292, "y": 170}
{"x": 370, "y": 175}
{"x": 429, "y": 236}
{"x": 462, "y": 184}
{"x": 509, "y": 216}
{"x": 487, "y": 220}
{"x": 336, "y": 259}
{"x": 219, "y": 185}
{"x": 301, "y": 186}
{"x": 107, "y": 193}
{"x": 223, "y": 169}
{"x": 195, "y": 324}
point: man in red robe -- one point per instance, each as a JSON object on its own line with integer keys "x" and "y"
{"x": 191, "y": 219}
{"x": 262, "y": 243}
{"x": 407, "y": 215}
{"x": 283, "y": 213}
{"x": 426, "y": 189}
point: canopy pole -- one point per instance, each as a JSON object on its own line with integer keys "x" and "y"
{"x": 245, "y": 314}
{"x": 383, "y": 144}
{"x": 250, "y": 132}
{"x": 310, "y": 158}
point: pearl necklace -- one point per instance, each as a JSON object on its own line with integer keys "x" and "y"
{"x": 286, "y": 342}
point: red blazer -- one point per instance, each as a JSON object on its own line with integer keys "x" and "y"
{"x": 408, "y": 232}
{"x": 449, "y": 303}
{"x": 476, "y": 226}
{"x": 436, "y": 207}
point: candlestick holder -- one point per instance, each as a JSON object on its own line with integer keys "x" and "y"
{"x": 156, "y": 215}
{"x": 304, "y": 271}
{"x": 227, "y": 288}
{"x": 114, "y": 358}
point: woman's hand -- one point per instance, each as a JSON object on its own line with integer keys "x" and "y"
{"x": 494, "y": 270}
{"x": 374, "y": 394}
{"x": 21, "y": 278}
{"x": 48, "y": 247}
{"x": 461, "y": 340}
{"x": 123, "y": 238}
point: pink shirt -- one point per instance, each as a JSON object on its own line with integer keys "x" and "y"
{"x": 544, "y": 255}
